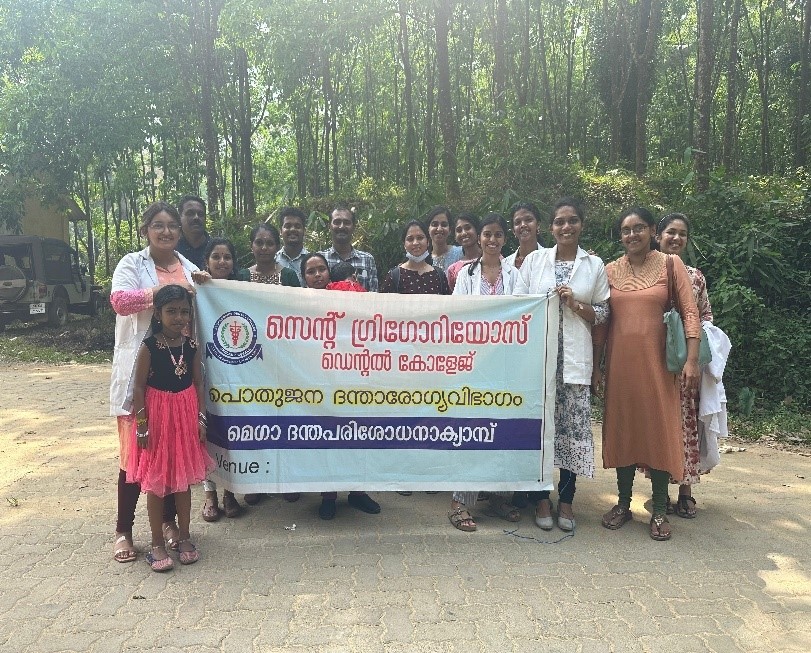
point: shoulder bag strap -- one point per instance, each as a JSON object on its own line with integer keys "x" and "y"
{"x": 672, "y": 295}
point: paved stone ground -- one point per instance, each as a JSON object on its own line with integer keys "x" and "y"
{"x": 737, "y": 578}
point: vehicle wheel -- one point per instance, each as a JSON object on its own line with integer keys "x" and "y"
{"x": 58, "y": 311}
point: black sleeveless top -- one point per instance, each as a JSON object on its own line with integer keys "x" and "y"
{"x": 162, "y": 371}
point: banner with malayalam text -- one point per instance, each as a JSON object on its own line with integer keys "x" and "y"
{"x": 316, "y": 390}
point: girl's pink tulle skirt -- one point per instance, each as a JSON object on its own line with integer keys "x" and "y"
{"x": 175, "y": 457}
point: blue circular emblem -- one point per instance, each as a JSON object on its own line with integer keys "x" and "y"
{"x": 234, "y": 340}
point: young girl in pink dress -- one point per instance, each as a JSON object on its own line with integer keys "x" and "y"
{"x": 170, "y": 430}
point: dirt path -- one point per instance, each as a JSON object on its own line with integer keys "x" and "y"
{"x": 737, "y": 578}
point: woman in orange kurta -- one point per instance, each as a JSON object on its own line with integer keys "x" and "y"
{"x": 642, "y": 420}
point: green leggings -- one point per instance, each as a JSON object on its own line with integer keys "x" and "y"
{"x": 658, "y": 481}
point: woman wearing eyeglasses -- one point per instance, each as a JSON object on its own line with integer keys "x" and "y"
{"x": 642, "y": 416}
{"x": 580, "y": 282}
{"x": 136, "y": 278}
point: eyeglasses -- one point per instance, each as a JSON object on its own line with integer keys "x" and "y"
{"x": 190, "y": 213}
{"x": 636, "y": 229}
{"x": 162, "y": 226}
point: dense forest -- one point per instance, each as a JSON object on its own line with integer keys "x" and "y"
{"x": 396, "y": 105}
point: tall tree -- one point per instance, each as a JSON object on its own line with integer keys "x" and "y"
{"x": 704, "y": 68}
{"x": 408, "y": 94}
{"x": 649, "y": 25}
{"x": 731, "y": 114}
{"x": 442, "y": 17}
{"x": 802, "y": 147}
{"x": 204, "y": 17}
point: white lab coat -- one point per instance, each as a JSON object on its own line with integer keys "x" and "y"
{"x": 712, "y": 402}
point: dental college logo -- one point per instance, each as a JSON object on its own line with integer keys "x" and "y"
{"x": 234, "y": 339}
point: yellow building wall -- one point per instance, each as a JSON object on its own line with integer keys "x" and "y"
{"x": 46, "y": 221}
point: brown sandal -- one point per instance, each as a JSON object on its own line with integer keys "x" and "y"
{"x": 504, "y": 510}
{"x": 462, "y": 519}
{"x": 211, "y": 511}
{"x": 658, "y": 530}
{"x": 615, "y": 518}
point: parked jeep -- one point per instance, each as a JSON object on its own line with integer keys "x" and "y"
{"x": 42, "y": 280}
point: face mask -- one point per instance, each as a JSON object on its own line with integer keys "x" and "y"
{"x": 418, "y": 259}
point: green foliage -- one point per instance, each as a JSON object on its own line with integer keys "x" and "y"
{"x": 746, "y": 401}
{"x": 11, "y": 206}
{"x": 784, "y": 423}
{"x": 771, "y": 354}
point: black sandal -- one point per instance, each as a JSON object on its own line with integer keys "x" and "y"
{"x": 686, "y": 507}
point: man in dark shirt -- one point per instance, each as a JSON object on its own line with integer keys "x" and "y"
{"x": 194, "y": 238}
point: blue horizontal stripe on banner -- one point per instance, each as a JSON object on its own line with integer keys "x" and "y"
{"x": 322, "y": 432}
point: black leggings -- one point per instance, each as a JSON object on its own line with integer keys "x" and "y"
{"x": 128, "y": 494}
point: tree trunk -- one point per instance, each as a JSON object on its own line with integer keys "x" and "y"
{"x": 704, "y": 66}
{"x": 803, "y": 138}
{"x": 500, "y": 58}
{"x": 444, "y": 12}
{"x": 245, "y": 125}
{"x": 762, "y": 41}
{"x": 618, "y": 60}
{"x": 326, "y": 90}
{"x": 548, "y": 122}
{"x": 524, "y": 57}
{"x": 650, "y": 23}
{"x": 731, "y": 119}
{"x": 205, "y": 17}
{"x": 429, "y": 137}
{"x": 408, "y": 92}
{"x": 106, "y": 225}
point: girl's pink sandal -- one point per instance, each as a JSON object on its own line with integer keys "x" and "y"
{"x": 188, "y": 557}
{"x": 159, "y": 565}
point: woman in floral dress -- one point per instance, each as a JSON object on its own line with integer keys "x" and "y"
{"x": 673, "y": 235}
